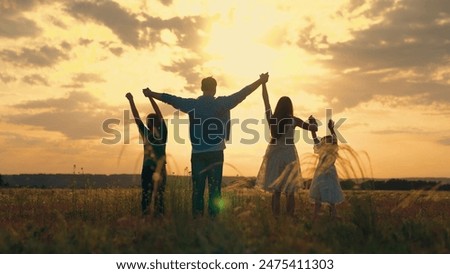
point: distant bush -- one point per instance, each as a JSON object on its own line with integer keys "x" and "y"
{"x": 444, "y": 187}
{"x": 402, "y": 184}
{"x": 3, "y": 183}
{"x": 347, "y": 184}
{"x": 370, "y": 184}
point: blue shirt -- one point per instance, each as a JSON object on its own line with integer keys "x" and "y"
{"x": 209, "y": 118}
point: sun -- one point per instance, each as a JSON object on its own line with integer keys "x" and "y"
{"x": 246, "y": 40}
{"x": 236, "y": 43}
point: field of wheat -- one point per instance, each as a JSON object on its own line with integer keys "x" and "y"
{"x": 109, "y": 220}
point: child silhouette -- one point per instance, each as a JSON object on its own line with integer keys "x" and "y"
{"x": 153, "y": 176}
{"x": 325, "y": 187}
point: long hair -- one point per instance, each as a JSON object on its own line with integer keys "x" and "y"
{"x": 282, "y": 117}
{"x": 153, "y": 121}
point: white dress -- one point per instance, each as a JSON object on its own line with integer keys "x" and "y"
{"x": 325, "y": 185}
{"x": 280, "y": 170}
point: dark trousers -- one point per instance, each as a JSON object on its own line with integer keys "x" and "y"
{"x": 207, "y": 165}
{"x": 147, "y": 191}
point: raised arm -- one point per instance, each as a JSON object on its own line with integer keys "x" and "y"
{"x": 312, "y": 121}
{"x": 155, "y": 107}
{"x": 263, "y": 78}
{"x": 233, "y": 100}
{"x": 333, "y": 133}
{"x": 271, "y": 122}
{"x": 183, "y": 104}
{"x": 300, "y": 123}
{"x": 163, "y": 130}
{"x": 134, "y": 110}
{"x": 152, "y": 94}
{"x": 267, "y": 107}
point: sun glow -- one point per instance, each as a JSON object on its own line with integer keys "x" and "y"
{"x": 241, "y": 44}
{"x": 236, "y": 48}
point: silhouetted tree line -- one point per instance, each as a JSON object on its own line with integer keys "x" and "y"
{"x": 391, "y": 184}
{"x": 132, "y": 180}
{"x": 72, "y": 180}
{"x": 397, "y": 184}
{"x": 3, "y": 182}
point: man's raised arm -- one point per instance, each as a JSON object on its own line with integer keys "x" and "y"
{"x": 153, "y": 103}
{"x": 183, "y": 104}
{"x": 234, "y": 99}
{"x": 149, "y": 93}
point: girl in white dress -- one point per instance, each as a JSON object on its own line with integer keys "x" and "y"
{"x": 325, "y": 187}
{"x": 280, "y": 170}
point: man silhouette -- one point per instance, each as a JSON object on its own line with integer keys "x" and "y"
{"x": 209, "y": 121}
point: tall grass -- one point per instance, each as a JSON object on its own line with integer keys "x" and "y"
{"x": 109, "y": 221}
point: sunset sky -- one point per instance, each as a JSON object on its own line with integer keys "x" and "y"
{"x": 382, "y": 65}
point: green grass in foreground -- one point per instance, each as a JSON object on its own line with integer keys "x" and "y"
{"x": 109, "y": 221}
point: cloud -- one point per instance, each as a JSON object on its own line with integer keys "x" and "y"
{"x": 79, "y": 80}
{"x": 311, "y": 41}
{"x": 117, "y": 51}
{"x": 77, "y": 116}
{"x": 190, "y": 30}
{"x": 35, "y": 79}
{"x": 354, "y": 4}
{"x": 403, "y": 39}
{"x": 398, "y": 131}
{"x": 7, "y": 78}
{"x": 73, "y": 86}
{"x": 14, "y": 7}
{"x": 65, "y": 45}
{"x": 17, "y": 26}
{"x": 444, "y": 141}
{"x": 186, "y": 69}
{"x": 123, "y": 23}
{"x": 12, "y": 22}
{"x": 57, "y": 22}
{"x": 24, "y": 140}
{"x": 377, "y": 7}
{"x": 74, "y": 100}
{"x": 398, "y": 56}
{"x": 166, "y": 2}
{"x": 84, "y": 42}
{"x": 348, "y": 90}
{"x": 44, "y": 56}
{"x": 88, "y": 77}
{"x": 143, "y": 31}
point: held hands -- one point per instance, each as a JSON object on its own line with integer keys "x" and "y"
{"x": 312, "y": 124}
{"x": 312, "y": 128}
{"x": 147, "y": 92}
{"x": 129, "y": 96}
{"x": 312, "y": 120}
{"x": 264, "y": 77}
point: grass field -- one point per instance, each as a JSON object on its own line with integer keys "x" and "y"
{"x": 109, "y": 221}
